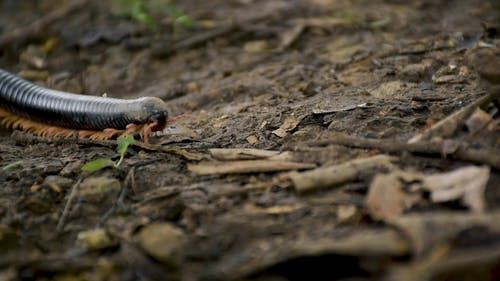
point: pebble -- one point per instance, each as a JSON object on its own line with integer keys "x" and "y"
{"x": 57, "y": 182}
{"x": 95, "y": 239}
{"x": 98, "y": 189}
{"x": 71, "y": 168}
{"x": 163, "y": 241}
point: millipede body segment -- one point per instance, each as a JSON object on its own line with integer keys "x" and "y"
{"x": 43, "y": 111}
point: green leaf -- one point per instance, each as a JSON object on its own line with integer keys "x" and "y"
{"x": 13, "y": 165}
{"x": 139, "y": 13}
{"x": 97, "y": 164}
{"x": 124, "y": 143}
{"x": 380, "y": 23}
{"x": 184, "y": 20}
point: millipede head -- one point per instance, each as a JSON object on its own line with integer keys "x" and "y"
{"x": 156, "y": 114}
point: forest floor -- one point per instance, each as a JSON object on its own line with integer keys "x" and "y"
{"x": 317, "y": 140}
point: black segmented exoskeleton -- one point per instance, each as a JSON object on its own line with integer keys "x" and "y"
{"x": 78, "y": 112}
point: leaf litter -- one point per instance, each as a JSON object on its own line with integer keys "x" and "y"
{"x": 347, "y": 140}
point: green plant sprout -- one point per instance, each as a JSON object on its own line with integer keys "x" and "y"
{"x": 123, "y": 145}
{"x": 13, "y": 165}
{"x": 142, "y": 11}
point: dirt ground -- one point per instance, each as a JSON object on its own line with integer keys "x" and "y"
{"x": 308, "y": 144}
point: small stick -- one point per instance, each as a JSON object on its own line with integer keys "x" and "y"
{"x": 329, "y": 176}
{"x": 129, "y": 179}
{"x": 482, "y": 156}
{"x": 448, "y": 125}
{"x": 37, "y": 26}
{"x": 198, "y": 39}
{"x": 67, "y": 207}
{"x": 27, "y": 138}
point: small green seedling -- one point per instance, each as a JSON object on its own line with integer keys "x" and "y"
{"x": 142, "y": 11}
{"x": 13, "y": 165}
{"x": 123, "y": 144}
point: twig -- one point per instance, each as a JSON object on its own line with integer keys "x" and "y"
{"x": 198, "y": 39}
{"x": 259, "y": 186}
{"x": 324, "y": 177}
{"x": 172, "y": 150}
{"x": 448, "y": 125}
{"x": 119, "y": 203}
{"x": 248, "y": 166}
{"x": 39, "y": 25}
{"x": 27, "y": 138}
{"x": 131, "y": 181}
{"x": 487, "y": 156}
{"x": 67, "y": 207}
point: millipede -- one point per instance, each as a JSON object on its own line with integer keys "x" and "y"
{"x": 46, "y": 112}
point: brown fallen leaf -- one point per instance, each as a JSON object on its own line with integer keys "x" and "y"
{"x": 391, "y": 194}
{"x": 386, "y": 198}
{"x": 478, "y": 121}
{"x": 243, "y": 167}
{"x": 252, "y": 139}
{"x": 287, "y": 126}
{"x": 467, "y": 184}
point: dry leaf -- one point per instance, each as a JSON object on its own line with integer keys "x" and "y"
{"x": 478, "y": 120}
{"x": 287, "y": 126}
{"x": 386, "y": 198}
{"x": 467, "y": 184}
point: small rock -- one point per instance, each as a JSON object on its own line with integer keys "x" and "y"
{"x": 57, "y": 183}
{"x": 391, "y": 90}
{"x": 95, "y": 239}
{"x": 256, "y": 46}
{"x": 34, "y": 75}
{"x": 97, "y": 189}
{"x": 415, "y": 72}
{"x": 8, "y": 239}
{"x": 346, "y": 212}
{"x": 163, "y": 241}
{"x": 343, "y": 49}
{"x": 71, "y": 168}
{"x": 252, "y": 139}
{"x": 34, "y": 57}
{"x": 445, "y": 79}
{"x": 485, "y": 62}
{"x": 36, "y": 205}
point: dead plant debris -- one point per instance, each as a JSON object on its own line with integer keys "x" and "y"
{"x": 326, "y": 140}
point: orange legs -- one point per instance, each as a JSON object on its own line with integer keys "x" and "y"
{"x": 13, "y": 121}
